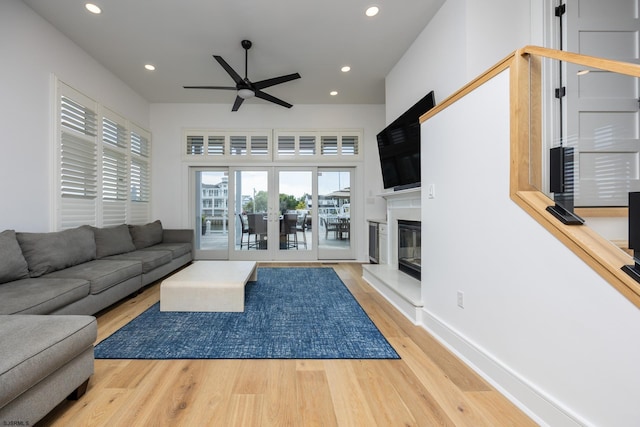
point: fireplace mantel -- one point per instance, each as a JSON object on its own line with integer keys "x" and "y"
{"x": 408, "y": 194}
{"x": 402, "y": 290}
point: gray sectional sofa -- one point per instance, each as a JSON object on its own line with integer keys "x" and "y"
{"x": 50, "y": 286}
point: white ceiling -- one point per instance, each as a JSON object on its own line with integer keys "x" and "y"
{"x": 180, "y": 36}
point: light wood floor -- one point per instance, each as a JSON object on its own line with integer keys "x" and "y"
{"x": 427, "y": 387}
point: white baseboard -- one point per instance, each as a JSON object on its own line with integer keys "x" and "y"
{"x": 543, "y": 409}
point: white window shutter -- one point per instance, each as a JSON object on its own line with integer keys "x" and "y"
{"x": 77, "y": 159}
{"x": 140, "y": 177}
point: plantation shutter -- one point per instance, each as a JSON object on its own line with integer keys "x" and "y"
{"x": 259, "y": 145}
{"x": 329, "y": 145}
{"x": 77, "y": 159}
{"x": 286, "y": 145}
{"x": 349, "y": 145}
{"x": 103, "y": 164}
{"x": 307, "y": 145}
{"x": 238, "y": 145}
{"x": 115, "y": 170}
{"x": 140, "y": 177}
{"x": 215, "y": 145}
{"x": 195, "y": 145}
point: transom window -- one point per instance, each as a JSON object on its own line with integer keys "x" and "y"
{"x": 226, "y": 144}
{"x": 267, "y": 145}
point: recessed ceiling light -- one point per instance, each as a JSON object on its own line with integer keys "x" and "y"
{"x": 150, "y": 67}
{"x": 345, "y": 69}
{"x": 372, "y": 11}
{"x": 93, "y": 8}
{"x": 333, "y": 93}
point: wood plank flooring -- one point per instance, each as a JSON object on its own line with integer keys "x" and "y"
{"x": 428, "y": 387}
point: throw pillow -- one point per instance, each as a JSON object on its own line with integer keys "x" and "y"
{"x": 13, "y": 266}
{"x": 113, "y": 240}
{"x": 146, "y": 235}
{"x": 48, "y": 252}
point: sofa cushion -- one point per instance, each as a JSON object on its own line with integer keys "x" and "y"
{"x": 100, "y": 273}
{"x": 113, "y": 240}
{"x": 148, "y": 258}
{"x": 146, "y": 235}
{"x": 47, "y": 252}
{"x": 40, "y": 295}
{"x": 33, "y": 347}
{"x": 176, "y": 249}
{"x": 13, "y": 266}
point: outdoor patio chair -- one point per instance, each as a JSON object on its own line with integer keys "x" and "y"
{"x": 301, "y": 225}
{"x": 246, "y": 229}
{"x": 258, "y": 223}
{"x": 290, "y": 230}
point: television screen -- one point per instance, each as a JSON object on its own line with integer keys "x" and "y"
{"x": 399, "y": 147}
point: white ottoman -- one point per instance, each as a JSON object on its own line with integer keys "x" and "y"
{"x": 208, "y": 286}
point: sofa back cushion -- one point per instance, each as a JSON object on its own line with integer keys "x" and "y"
{"x": 146, "y": 235}
{"x": 47, "y": 252}
{"x": 13, "y": 266}
{"x": 113, "y": 240}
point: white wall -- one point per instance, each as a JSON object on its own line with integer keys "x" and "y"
{"x": 170, "y": 184}
{"x": 32, "y": 51}
{"x": 462, "y": 41}
{"x": 535, "y": 315}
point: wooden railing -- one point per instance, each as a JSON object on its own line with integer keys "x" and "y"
{"x": 527, "y": 163}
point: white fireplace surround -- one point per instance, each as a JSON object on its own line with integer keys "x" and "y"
{"x": 402, "y": 290}
{"x": 400, "y": 205}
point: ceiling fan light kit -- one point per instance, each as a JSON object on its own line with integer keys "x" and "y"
{"x": 246, "y": 93}
{"x": 246, "y": 89}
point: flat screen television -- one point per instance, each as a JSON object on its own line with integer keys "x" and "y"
{"x": 399, "y": 147}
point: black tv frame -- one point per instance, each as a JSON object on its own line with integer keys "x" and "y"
{"x": 408, "y": 124}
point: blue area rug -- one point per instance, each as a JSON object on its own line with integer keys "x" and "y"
{"x": 290, "y": 313}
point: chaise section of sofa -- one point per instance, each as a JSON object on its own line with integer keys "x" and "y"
{"x": 43, "y": 360}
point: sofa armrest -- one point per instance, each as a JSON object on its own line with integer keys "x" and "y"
{"x": 177, "y": 236}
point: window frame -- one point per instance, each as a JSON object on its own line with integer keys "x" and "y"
{"x": 197, "y": 145}
{"x": 106, "y": 169}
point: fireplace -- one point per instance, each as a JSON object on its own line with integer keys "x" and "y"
{"x": 409, "y": 260}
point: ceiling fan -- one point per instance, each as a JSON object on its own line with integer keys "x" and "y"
{"x": 244, "y": 87}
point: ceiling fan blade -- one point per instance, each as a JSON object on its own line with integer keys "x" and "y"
{"x": 211, "y": 87}
{"x": 237, "y": 104}
{"x": 235, "y": 76}
{"x": 275, "y": 81}
{"x": 267, "y": 97}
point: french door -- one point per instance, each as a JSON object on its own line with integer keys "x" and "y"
{"x": 270, "y": 209}
{"x": 268, "y": 213}
{"x": 334, "y": 212}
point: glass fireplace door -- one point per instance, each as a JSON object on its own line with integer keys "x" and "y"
{"x": 409, "y": 247}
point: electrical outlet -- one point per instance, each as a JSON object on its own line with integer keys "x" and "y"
{"x": 460, "y": 299}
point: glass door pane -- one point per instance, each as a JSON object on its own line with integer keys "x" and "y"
{"x": 334, "y": 213}
{"x": 252, "y": 214}
{"x": 210, "y": 189}
{"x": 295, "y": 193}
